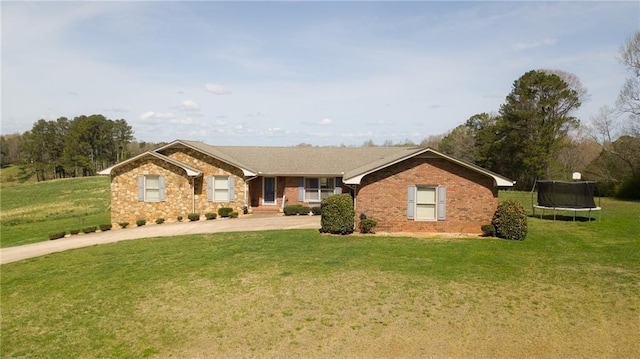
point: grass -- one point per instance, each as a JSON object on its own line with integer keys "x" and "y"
{"x": 29, "y": 211}
{"x": 569, "y": 290}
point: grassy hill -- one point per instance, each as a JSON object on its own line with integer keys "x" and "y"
{"x": 29, "y": 211}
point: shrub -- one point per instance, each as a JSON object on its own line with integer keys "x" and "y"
{"x": 316, "y": 210}
{"x": 160, "y": 221}
{"x": 488, "y": 230}
{"x": 141, "y": 222}
{"x": 193, "y": 216}
{"x": 210, "y": 215}
{"x": 295, "y": 209}
{"x": 90, "y": 229}
{"x": 629, "y": 189}
{"x": 224, "y": 211}
{"x": 123, "y": 224}
{"x": 233, "y": 215}
{"x": 291, "y": 210}
{"x": 74, "y": 231}
{"x": 56, "y": 235}
{"x": 510, "y": 220}
{"x": 105, "y": 227}
{"x": 367, "y": 225}
{"x": 337, "y": 214}
{"x": 179, "y": 218}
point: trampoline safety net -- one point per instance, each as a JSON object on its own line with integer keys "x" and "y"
{"x": 562, "y": 194}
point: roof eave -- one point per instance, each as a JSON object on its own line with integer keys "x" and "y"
{"x": 245, "y": 171}
{"x": 356, "y": 178}
{"x": 190, "y": 171}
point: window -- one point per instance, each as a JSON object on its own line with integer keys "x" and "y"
{"x": 220, "y": 188}
{"x": 151, "y": 188}
{"x": 316, "y": 189}
{"x": 426, "y": 203}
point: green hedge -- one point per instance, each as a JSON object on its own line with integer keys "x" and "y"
{"x": 90, "y": 229}
{"x": 56, "y": 235}
{"x": 295, "y": 209}
{"x": 337, "y": 214}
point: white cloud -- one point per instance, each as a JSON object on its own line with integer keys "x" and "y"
{"x": 220, "y": 122}
{"x": 275, "y": 131}
{"x": 518, "y": 46}
{"x": 150, "y": 115}
{"x": 183, "y": 121}
{"x": 189, "y": 105}
{"x": 325, "y": 122}
{"x": 216, "y": 89}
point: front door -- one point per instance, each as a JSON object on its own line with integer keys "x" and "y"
{"x": 269, "y": 191}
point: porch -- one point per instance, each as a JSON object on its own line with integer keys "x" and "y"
{"x": 270, "y": 194}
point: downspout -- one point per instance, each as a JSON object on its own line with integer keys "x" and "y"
{"x": 246, "y": 189}
{"x": 193, "y": 196}
{"x": 355, "y": 195}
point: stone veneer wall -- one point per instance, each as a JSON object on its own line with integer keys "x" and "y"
{"x": 179, "y": 193}
{"x": 471, "y": 200}
{"x": 125, "y": 206}
{"x": 211, "y": 167}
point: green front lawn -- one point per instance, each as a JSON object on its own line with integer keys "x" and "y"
{"x": 569, "y": 290}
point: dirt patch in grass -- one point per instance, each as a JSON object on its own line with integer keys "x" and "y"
{"x": 360, "y": 314}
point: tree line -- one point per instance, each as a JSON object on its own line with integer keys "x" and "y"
{"x": 64, "y": 148}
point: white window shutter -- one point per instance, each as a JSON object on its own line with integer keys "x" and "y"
{"x": 141, "y": 188}
{"x": 232, "y": 188}
{"x": 301, "y": 189}
{"x": 162, "y": 187}
{"x": 210, "y": 188}
{"x": 411, "y": 202}
{"x": 442, "y": 203}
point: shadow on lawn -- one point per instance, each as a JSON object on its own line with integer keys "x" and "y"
{"x": 564, "y": 218}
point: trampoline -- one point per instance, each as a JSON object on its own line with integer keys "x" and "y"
{"x": 575, "y": 196}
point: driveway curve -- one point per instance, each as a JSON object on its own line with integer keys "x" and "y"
{"x": 248, "y": 223}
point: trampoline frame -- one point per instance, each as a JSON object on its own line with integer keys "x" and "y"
{"x": 556, "y": 209}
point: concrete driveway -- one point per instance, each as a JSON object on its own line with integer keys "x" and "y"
{"x": 248, "y": 223}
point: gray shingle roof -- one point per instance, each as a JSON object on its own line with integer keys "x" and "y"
{"x": 303, "y": 160}
{"x": 351, "y": 163}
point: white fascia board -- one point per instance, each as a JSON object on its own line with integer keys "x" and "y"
{"x": 499, "y": 180}
{"x": 191, "y": 172}
{"x": 246, "y": 172}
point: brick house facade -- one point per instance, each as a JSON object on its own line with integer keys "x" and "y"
{"x": 471, "y": 198}
{"x": 404, "y": 189}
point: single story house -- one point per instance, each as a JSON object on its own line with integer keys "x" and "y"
{"x": 406, "y": 189}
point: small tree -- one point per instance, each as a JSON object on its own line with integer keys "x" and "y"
{"x": 337, "y": 214}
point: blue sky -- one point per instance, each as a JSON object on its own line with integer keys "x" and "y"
{"x": 283, "y": 73}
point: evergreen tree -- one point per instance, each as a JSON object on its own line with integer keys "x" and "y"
{"x": 532, "y": 125}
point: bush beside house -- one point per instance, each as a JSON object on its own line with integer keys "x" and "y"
{"x": 337, "y": 214}
{"x": 510, "y": 220}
